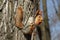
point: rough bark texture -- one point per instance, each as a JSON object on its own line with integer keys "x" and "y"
{"x": 45, "y": 27}
{"x": 8, "y": 30}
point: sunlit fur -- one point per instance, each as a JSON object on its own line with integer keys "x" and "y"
{"x": 39, "y": 18}
{"x": 19, "y": 17}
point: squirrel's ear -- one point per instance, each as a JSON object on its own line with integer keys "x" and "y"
{"x": 38, "y": 12}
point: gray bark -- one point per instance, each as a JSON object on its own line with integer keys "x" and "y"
{"x": 8, "y": 30}
{"x": 45, "y": 29}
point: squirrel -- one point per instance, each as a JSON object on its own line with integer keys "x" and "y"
{"x": 19, "y": 19}
{"x": 38, "y": 20}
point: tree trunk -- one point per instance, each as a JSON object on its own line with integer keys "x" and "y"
{"x": 8, "y": 30}
{"x": 45, "y": 27}
{"x": 58, "y": 14}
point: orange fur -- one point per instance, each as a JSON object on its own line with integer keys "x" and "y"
{"x": 38, "y": 12}
{"x": 31, "y": 28}
{"x": 19, "y": 17}
{"x": 38, "y": 19}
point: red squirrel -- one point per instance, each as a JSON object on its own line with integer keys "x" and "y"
{"x": 19, "y": 18}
